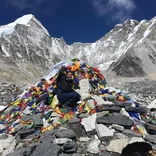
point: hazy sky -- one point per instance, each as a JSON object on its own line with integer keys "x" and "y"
{"x": 78, "y": 20}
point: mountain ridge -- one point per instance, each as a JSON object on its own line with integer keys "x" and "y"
{"x": 30, "y": 49}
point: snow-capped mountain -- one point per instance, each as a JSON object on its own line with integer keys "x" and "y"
{"x": 28, "y": 51}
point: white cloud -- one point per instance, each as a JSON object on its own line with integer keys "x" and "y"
{"x": 116, "y": 9}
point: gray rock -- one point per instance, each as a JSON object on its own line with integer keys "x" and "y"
{"x": 131, "y": 133}
{"x": 117, "y": 127}
{"x": 47, "y": 136}
{"x": 24, "y": 151}
{"x": 136, "y": 109}
{"x": 3, "y": 136}
{"x": 70, "y": 147}
{"x": 76, "y": 126}
{"x": 25, "y": 132}
{"x": 65, "y": 133}
{"x": 61, "y": 141}
{"x": 102, "y": 113}
{"x": 37, "y": 120}
{"x": 105, "y": 153}
{"x": 110, "y": 108}
{"x": 47, "y": 149}
{"x": 104, "y": 133}
{"x": 122, "y": 104}
{"x": 26, "y": 118}
{"x": 116, "y": 118}
{"x": 150, "y": 138}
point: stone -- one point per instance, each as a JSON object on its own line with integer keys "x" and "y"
{"x": 61, "y": 141}
{"x": 151, "y": 129}
{"x": 102, "y": 113}
{"x": 47, "y": 149}
{"x": 65, "y": 133}
{"x": 7, "y": 144}
{"x": 26, "y": 118}
{"x": 8, "y": 151}
{"x": 120, "y": 136}
{"x": 135, "y": 139}
{"x": 110, "y": 108}
{"x": 117, "y": 145}
{"x": 37, "y": 120}
{"x": 122, "y": 104}
{"x": 47, "y": 136}
{"x": 89, "y": 123}
{"x": 140, "y": 110}
{"x": 106, "y": 153}
{"x": 70, "y": 147}
{"x": 76, "y": 126}
{"x": 150, "y": 138}
{"x": 104, "y": 133}
{"x": 84, "y": 139}
{"x": 25, "y": 132}
{"x": 93, "y": 146}
{"x": 3, "y": 136}
{"x": 152, "y": 104}
{"x": 116, "y": 118}
{"x": 117, "y": 127}
{"x": 131, "y": 133}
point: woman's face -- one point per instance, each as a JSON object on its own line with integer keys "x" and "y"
{"x": 69, "y": 75}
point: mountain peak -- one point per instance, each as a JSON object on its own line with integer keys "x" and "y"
{"x": 24, "y": 20}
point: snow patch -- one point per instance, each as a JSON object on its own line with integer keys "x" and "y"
{"x": 19, "y": 55}
{"x": 8, "y": 29}
{"x": 4, "y": 50}
{"x": 147, "y": 32}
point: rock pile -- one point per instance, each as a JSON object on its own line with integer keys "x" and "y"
{"x": 104, "y": 122}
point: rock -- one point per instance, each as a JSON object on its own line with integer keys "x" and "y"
{"x": 116, "y": 118}
{"x": 103, "y": 113}
{"x": 117, "y": 127}
{"x": 106, "y": 153}
{"x": 25, "y": 132}
{"x": 110, "y": 108}
{"x": 37, "y": 120}
{"x": 104, "y": 133}
{"x": 84, "y": 139}
{"x": 3, "y": 136}
{"x": 152, "y": 104}
{"x": 150, "y": 138}
{"x": 140, "y": 110}
{"x": 151, "y": 129}
{"x": 89, "y": 123}
{"x": 70, "y": 147}
{"x": 65, "y": 133}
{"x": 26, "y": 118}
{"x": 8, "y": 151}
{"x": 47, "y": 149}
{"x": 131, "y": 133}
{"x": 120, "y": 136}
{"x": 136, "y": 139}
{"x": 123, "y": 104}
{"x": 47, "y": 136}
{"x": 93, "y": 146}
{"x": 76, "y": 126}
{"x": 7, "y": 144}
{"x": 61, "y": 141}
{"x": 117, "y": 145}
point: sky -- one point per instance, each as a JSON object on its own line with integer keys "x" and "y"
{"x": 78, "y": 20}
